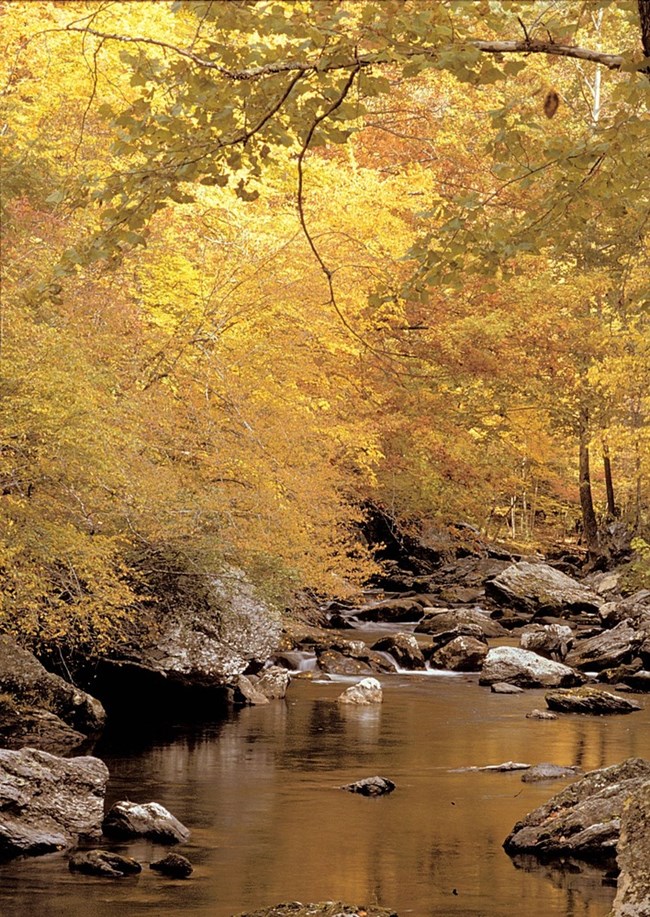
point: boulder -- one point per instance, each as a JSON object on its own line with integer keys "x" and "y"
{"x": 583, "y": 820}
{"x": 540, "y": 772}
{"x": 47, "y": 803}
{"x": 364, "y": 693}
{"x": 243, "y": 693}
{"x": 173, "y": 865}
{"x": 460, "y": 630}
{"x": 323, "y": 909}
{"x": 611, "y": 648}
{"x": 103, "y": 863}
{"x": 552, "y": 640}
{"x": 391, "y": 611}
{"x": 463, "y": 654}
{"x": 404, "y": 649}
{"x": 204, "y": 645}
{"x": 541, "y": 715}
{"x": 502, "y": 687}
{"x": 439, "y": 621}
{"x": 588, "y": 699}
{"x": 633, "y": 856}
{"x": 272, "y": 682}
{"x": 540, "y": 589}
{"x": 41, "y": 709}
{"x": 526, "y": 669}
{"x": 371, "y": 786}
{"x": 126, "y": 820}
{"x": 32, "y": 727}
{"x": 351, "y": 657}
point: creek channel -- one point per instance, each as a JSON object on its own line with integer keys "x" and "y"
{"x": 260, "y": 791}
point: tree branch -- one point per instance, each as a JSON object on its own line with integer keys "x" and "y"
{"x": 535, "y": 46}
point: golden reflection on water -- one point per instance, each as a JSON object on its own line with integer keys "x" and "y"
{"x": 269, "y": 822}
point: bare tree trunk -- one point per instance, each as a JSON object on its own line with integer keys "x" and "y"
{"x": 612, "y": 509}
{"x": 644, "y": 18}
{"x": 589, "y": 523}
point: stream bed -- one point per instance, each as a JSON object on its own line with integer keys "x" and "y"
{"x": 260, "y": 793}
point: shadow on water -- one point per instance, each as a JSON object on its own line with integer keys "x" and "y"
{"x": 260, "y": 791}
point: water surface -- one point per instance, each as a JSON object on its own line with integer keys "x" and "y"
{"x": 260, "y": 792}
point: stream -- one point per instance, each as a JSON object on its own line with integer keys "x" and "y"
{"x": 260, "y": 792}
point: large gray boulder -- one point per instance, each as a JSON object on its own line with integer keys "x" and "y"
{"x": 204, "y": 646}
{"x": 47, "y": 803}
{"x": 40, "y": 709}
{"x": 526, "y": 670}
{"x": 583, "y": 820}
{"x": 540, "y": 589}
{"x": 611, "y": 648}
{"x": 633, "y": 855}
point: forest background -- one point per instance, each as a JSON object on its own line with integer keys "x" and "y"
{"x": 268, "y": 264}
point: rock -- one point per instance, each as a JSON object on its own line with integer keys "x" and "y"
{"x": 605, "y": 583}
{"x": 351, "y": 657}
{"x": 552, "y": 641}
{"x": 505, "y": 768}
{"x": 44, "y": 702}
{"x": 589, "y": 700}
{"x": 525, "y": 669}
{"x": 502, "y": 687}
{"x": 611, "y": 648}
{"x": 173, "y": 865}
{"x": 391, "y": 611}
{"x": 444, "y": 620}
{"x": 583, "y": 820}
{"x": 205, "y": 644}
{"x": 463, "y": 654}
{"x": 371, "y": 786}
{"x": 127, "y": 820}
{"x": 324, "y": 909}
{"x": 540, "y": 589}
{"x": 363, "y": 693}
{"x": 460, "y": 630}
{"x": 633, "y": 855}
{"x": 32, "y": 727}
{"x": 541, "y": 715}
{"x": 103, "y": 863}
{"x": 243, "y": 693}
{"x": 404, "y": 649}
{"x": 272, "y": 682}
{"x": 47, "y": 803}
{"x": 541, "y": 772}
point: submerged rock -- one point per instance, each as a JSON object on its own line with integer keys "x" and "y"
{"x": 540, "y": 589}
{"x": 540, "y": 772}
{"x": 127, "y": 820}
{"x": 47, "y": 803}
{"x": 525, "y": 669}
{"x": 324, "y": 909}
{"x": 272, "y": 682}
{"x": 502, "y": 687}
{"x": 173, "y": 865}
{"x": 371, "y": 786}
{"x": 541, "y": 715}
{"x": 583, "y": 820}
{"x": 633, "y": 856}
{"x": 104, "y": 863}
{"x": 363, "y": 693}
{"x": 589, "y": 700}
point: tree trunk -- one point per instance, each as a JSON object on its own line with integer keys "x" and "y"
{"x": 644, "y": 18}
{"x": 612, "y": 508}
{"x": 589, "y": 523}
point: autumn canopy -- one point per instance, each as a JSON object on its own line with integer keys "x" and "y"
{"x": 267, "y": 264}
